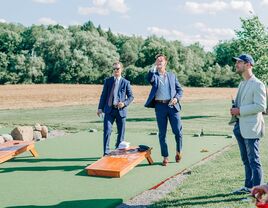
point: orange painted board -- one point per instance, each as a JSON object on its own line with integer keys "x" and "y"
{"x": 118, "y": 163}
{"x": 10, "y": 149}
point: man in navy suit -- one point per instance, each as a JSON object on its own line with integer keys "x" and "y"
{"x": 165, "y": 95}
{"x": 115, "y": 97}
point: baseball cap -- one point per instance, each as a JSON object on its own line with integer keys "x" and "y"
{"x": 244, "y": 57}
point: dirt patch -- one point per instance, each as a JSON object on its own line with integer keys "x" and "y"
{"x": 53, "y": 95}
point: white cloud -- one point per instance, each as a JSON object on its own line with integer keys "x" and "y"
{"x": 92, "y": 10}
{"x": 3, "y": 20}
{"x": 104, "y": 7}
{"x": 99, "y": 2}
{"x": 217, "y": 32}
{"x": 244, "y": 6}
{"x": 216, "y": 6}
{"x": 47, "y": 21}
{"x": 211, "y": 8}
{"x": 117, "y": 6}
{"x": 45, "y": 1}
{"x": 209, "y": 37}
{"x": 264, "y": 2}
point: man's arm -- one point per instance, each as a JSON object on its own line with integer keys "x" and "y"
{"x": 129, "y": 94}
{"x": 151, "y": 76}
{"x": 178, "y": 88}
{"x": 103, "y": 96}
{"x": 259, "y": 101}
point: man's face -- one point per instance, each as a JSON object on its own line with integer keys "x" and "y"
{"x": 117, "y": 70}
{"x": 241, "y": 66}
{"x": 160, "y": 62}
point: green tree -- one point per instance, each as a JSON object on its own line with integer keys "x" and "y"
{"x": 253, "y": 39}
{"x": 9, "y": 41}
{"x": 153, "y": 46}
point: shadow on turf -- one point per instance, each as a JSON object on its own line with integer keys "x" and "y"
{"x": 154, "y": 119}
{"x": 98, "y": 203}
{"x": 30, "y": 159}
{"x": 200, "y": 200}
{"x": 51, "y": 167}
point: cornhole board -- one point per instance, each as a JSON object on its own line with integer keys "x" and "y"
{"x": 10, "y": 149}
{"x": 118, "y": 162}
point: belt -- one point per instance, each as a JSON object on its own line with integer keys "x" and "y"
{"x": 115, "y": 106}
{"x": 162, "y": 101}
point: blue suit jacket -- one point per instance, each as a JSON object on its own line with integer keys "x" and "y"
{"x": 125, "y": 95}
{"x": 174, "y": 86}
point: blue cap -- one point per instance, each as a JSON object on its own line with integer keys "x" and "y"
{"x": 245, "y": 57}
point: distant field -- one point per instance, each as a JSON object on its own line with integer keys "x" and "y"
{"x": 55, "y": 95}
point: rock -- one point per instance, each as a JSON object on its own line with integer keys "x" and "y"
{"x": 204, "y": 150}
{"x": 56, "y": 133}
{"x": 153, "y": 133}
{"x": 37, "y": 136}
{"x": 37, "y": 127}
{"x": 92, "y": 130}
{"x": 7, "y": 137}
{"x": 44, "y": 131}
{"x": 188, "y": 172}
{"x": 24, "y": 133}
{"x": 2, "y": 140}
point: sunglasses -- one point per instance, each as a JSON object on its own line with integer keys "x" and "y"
{"x": 116, "y": 68}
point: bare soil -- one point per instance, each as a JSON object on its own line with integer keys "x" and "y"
{"x": 54, "y": 95}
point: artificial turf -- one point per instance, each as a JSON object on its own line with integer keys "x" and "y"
{"x": 57, "y": 178}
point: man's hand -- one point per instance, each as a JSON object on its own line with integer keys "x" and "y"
{"x": 173, "y": 101}
{"x": 259, "y": 191}
{"x": 235, "y": 111}
{"x": 121, "y": 105}
{"x": 99, "y": 112}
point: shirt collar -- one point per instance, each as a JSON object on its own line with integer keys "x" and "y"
{"x": 117, "y": 78}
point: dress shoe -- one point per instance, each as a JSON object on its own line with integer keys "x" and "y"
{"x": 165, "y": 161}
{"x": 178, "y": 157}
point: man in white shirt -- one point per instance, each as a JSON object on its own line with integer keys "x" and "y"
{"x": 249, "y": 104}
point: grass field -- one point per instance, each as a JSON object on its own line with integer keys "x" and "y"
{"x": 58, "y": 173}
{"x": 211, "y": 184}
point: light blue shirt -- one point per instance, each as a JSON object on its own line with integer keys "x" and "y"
{"x": 163, "y": 91}
{"x": 116, "y": 87}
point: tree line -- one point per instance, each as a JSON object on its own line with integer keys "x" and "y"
{"x": 84, "y": 54}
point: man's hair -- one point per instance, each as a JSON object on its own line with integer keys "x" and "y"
{"x": 118, "y": 62}
{"x": 161, "y": 55}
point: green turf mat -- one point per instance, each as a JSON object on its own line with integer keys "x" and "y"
{"x": 57, "y": 178}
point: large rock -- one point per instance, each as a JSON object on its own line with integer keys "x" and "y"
{"x": 24, "y": 133}
{"x": 37, "y": 127}
{"x": 37, "y": 135}
{"x": 2, "y": 140}
{"x": 7, "y": 137}
{"x": 44, "y": 131}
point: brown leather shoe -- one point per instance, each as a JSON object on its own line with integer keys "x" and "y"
{"x": 165, "y": 161}
{"x": 178, "y": 157}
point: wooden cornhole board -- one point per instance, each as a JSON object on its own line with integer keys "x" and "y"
{"x": 10, "y": 149}
{"x": 118, "y": 162}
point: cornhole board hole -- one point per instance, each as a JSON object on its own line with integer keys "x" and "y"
{"x": 118, "y": 162}
{"x": 10, "y": 149}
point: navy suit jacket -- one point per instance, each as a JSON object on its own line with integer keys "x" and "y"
{"x": 174, "y": 86}
{"x": 125, "y": 95}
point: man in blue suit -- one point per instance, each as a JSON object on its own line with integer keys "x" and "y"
{"x": 165, "y": 95}
{"x": 115, "y": 97}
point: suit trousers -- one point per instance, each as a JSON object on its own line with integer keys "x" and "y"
{"x": 164, "y": 112}
{"x": 250, "y": 155}
{"x": 109, "y": 119}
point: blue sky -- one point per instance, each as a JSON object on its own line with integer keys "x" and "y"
{"x": 189, "y": 21}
